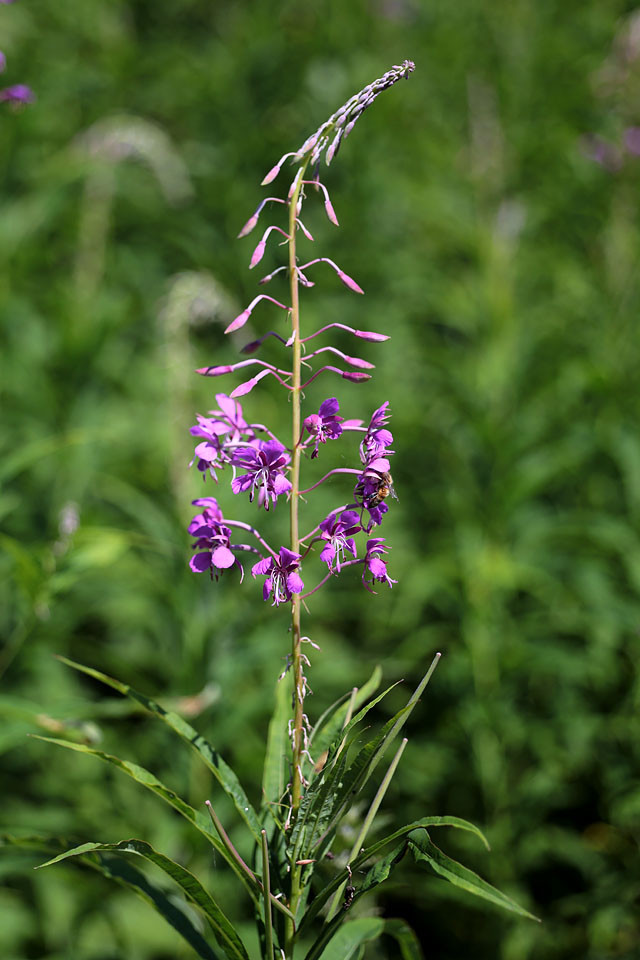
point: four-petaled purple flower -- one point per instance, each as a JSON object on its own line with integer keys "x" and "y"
{"x": 325, "y": 424}
{"x": 283, "y": 579}
{"x": 212, "y": 539}
{"x": 338, "y": 531}
{"x": 375, "y": 565}
{"x": 377, "y": 438}
{"x": 265, "y": 464}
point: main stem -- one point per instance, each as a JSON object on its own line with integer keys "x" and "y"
{"x": 296, "y": 658}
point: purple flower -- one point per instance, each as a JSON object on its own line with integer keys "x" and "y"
{"x": 213, "y": 539}
{"x": 18, "y": 93}
{"x": 375, "y": 565}
{"x": 377, "y": 438}
{"x": 282, "y": 575}
{"x": 338, "y": 533}
{"x": 373, "y": 487}
{"x": 265, "y": 464}
{"x": 220, "y": 430}
{"x": 325, "y": 424}
{"x": 208, "y": 454}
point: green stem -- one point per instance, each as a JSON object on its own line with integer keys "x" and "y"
{"x": 296, "y": 653}
{"x": 266, "y": 891}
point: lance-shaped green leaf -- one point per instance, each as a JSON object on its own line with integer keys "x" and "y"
{"x": 273, "y": 779}
{"x": 148, "y": 780}
{"x": 425, "y": 851}
{"x": 221, "y": 770}
{"x": 223, "y": 930}
{"x": 332, "y": 720}
{"x": 125, "y": 874}
{"x": 328, "y": 889}
{"x": 406, "y": 939}
{"x": 352, "y": 781}
{"x": 349, "y": 938}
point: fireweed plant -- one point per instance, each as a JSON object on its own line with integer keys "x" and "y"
{"x": 304, "y": 895}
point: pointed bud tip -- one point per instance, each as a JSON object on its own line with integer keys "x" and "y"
{"x": 370, "y": 335}
{"x": 248, "y": 227}
{"x": 273, "y": 173}
{"x": 350, "y": 282}
{"x": 257, "y": 254}
{"x": 328, "y": 206}
{"x": 239, "y": 321}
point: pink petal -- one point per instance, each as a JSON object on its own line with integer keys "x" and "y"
{"x": 222, "y": 558}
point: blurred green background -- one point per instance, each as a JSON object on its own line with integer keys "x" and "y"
{"x": 504, "y": 263}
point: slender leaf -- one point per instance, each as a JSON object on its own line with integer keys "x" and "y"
{"x": 381, "y": 870}
{"x": 125, "y": 874}
{"x": 331, "y": 721}
{"x": 323, "y": 895}
{"x": 350, "y": 785}
{"x": 273, "y": 778}
{"x": 148, "y": 780}
{"x": 406, "y": 939}
{"x": 224, "y": 932}
{"x": 403, "y": 715}
{"x": 349, "y": 938}
{"x": 425, "y": 851}
{"x": 221, "y": 770}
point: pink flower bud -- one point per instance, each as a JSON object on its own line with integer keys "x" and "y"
{"x": 328, "y": 206}
{"x": 239, "y": 321}
{"x": 358, "y": 362}
{"x": 273, "y": 173}
{"x": 243, "y": 388}
{"x": 370, "y": 335}
{"x": 354, "y": 376}
{"x": 304, "y": 229}
{"x": 349, "y": 281}
{"x": 257, "y": 254}
{"x": 214, "y": 371}
{"x": 249, "y": 225}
